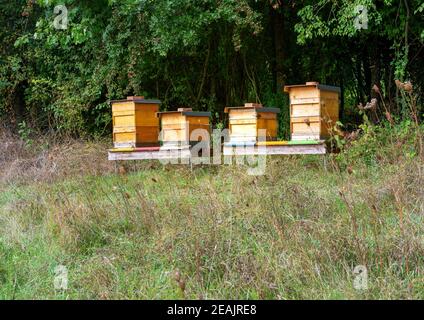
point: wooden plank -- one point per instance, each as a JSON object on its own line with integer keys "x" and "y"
{"x": 174, "y": 126}
{"x": 242, "y": 113}
{"x": 272, "y": 143}
{"x": 154, "y": 155}
{"x": 134, "y": 129}
{"x": 305, "y": 100}
{"x": 124, "y": 137}
{"x": 126, "y": 149}
{"x": 124, "y": 129}
{"x": 123, "y": 106}
{"x": 306, "y": 142}
{"x": 172, "y": 147}
{"x": 305, "y": 119}
{"x": 132, "y": 145}
{"x": 243, "y": 121}
{"x": 244, "y": 130}
{"x": 305, "y": 137}
{"x": 175, "y": 135}
{"x": 240, "y": 143}
{"x": 237, "y": 139}
{"x": 124, "y": 145}
{"x": 304, "y": 92}
{"x": 305, "y": 110}
{"x": 276, "y": 150}
{"x": 140, "y": 149}
{"x": 172, "y": 117}
{"x": 123, "y": 120}
{"x": 305, "y": 128}
{"x": 171, "y": 153}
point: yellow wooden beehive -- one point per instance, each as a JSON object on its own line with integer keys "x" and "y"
{"x": 246, "y": 122}
{"x": 178, "y": 127}
{"x": 314, "y": 110}
{"x": 135, "y": 123}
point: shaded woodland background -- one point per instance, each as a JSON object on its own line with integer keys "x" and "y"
{"x": 206, "y": 54}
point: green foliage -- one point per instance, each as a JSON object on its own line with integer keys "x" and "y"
{"x": 205, "y": 54}
{"x": 381, "y": 144}
{"x": 367, "y": 147}
{"x": 393, "y": 31}
{"x": 25, "y": 133}
{"x": 280, "y": 100}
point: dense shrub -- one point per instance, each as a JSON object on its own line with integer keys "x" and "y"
{"x": 204, "y": 54}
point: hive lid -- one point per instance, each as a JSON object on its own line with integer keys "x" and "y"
{"x": 319, "y": 86}
{"x": 253, "y": 105}
{"x": 187, "y": 112}
{"x": 132, "y": 98}
{"x": 256, "y": 109}
{"x": 137, "y": 99}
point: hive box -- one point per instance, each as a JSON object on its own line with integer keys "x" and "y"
{"x": 314, "y": 110}
{"x": 245, "y": 122}
{"x": 135, "y": 123}
{"x": 178, "y": 126}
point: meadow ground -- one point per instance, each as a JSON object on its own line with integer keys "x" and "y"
{"x": 168, "y": 232}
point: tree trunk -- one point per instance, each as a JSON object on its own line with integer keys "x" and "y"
{"x": 375, "y": 70}
{"x": 277, "y": 16}
{"x": 359, "y": 80}
{"x": 367, "y": 73}
{"x": 19, "y": 103}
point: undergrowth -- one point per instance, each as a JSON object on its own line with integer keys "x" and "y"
{"x": 164, "y": 232}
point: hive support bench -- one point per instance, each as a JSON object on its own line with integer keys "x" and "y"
{"x": 276, "y": 148}
{"x": 231, "y": 151}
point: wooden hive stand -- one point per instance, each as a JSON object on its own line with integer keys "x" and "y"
{"x": 135, "y": 123}
{"x": 314, "y": 110}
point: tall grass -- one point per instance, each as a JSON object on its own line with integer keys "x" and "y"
{"x": 165, "y": 232}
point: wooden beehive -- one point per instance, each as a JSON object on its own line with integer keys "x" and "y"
{"x": 135, "y": 123}
{"x": 246, "y": 122}
{"x": 178, "y": 126}
{"x": 314, "y": 110}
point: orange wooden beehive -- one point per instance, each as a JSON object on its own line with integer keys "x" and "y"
{"x": 178, "y": 127}
{"x": 246, "y": 122}
{"x": 314, "y": 110}
{"x": 135, "y": 123}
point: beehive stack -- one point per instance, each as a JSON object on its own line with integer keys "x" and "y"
{"x": 246, "y": 122}
{"x": 135, "y": 123}
{"x": 178, "y": 127}
{"x": 314, "y": 110}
